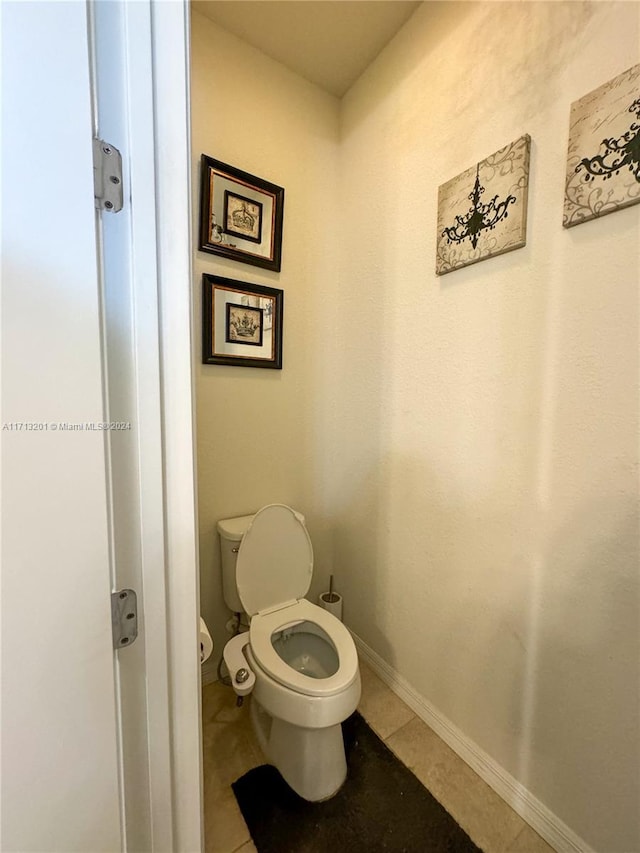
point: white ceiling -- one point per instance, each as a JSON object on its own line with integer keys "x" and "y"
{"x": 329, "y": 42}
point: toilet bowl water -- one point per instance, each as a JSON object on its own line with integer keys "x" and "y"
{"x": 305, "y": 651}
{"x": 323, "y": 639}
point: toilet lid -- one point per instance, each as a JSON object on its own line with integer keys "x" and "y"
{"x": 275, "y": 559}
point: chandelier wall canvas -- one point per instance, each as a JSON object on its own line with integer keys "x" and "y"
{"x": 603, "y": 160}
{"x": 483, "y": 211}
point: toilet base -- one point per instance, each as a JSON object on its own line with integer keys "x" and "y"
{"x": 311, "y": 761}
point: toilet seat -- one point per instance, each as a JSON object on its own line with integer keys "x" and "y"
{"x": 265, "y": 624}
{"x": 273, "y": 574}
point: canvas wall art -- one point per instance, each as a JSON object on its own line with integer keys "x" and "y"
{"x": 603, "y": 159}
{"x": 483, "y": 211}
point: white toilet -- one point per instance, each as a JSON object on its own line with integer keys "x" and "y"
{"x": 297, "y": 659}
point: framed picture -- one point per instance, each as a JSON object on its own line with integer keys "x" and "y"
{"x": 240, "y": 215}
{"x": 603, "y": 166}
{"x": 482, "y": 212}
{"x": 244, "y": 325}
{"x": 241, "y": 323}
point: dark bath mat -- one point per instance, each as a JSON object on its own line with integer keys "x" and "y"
{"x": 381, "y": 807}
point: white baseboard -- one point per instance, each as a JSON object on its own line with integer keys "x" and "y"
{"x": 556, "y": 833}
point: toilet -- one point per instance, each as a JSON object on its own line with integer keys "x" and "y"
{"x": 298, "y": 662}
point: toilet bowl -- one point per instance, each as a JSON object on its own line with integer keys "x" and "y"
{"x": 298, "y": 661}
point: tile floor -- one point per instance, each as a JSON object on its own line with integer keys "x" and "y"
{"x": 230, "y": 749}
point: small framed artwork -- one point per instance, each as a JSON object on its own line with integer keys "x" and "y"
{"x": 241, "y": 323}
{"x": 241, "y": 215}
{"x": 244, "y": 325}
{"x": 603, "y": 155}
{"x": 482, "y": 212}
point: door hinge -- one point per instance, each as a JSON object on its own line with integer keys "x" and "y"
{"x": 124, "y": 617}
{"x": 107, "y": 176}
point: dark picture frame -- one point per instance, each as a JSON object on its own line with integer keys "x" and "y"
{"x": 241, "y": 215}
{"x": 241, "y": 323}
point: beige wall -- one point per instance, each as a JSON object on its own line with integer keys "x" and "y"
{"x": 486, "y": 524}
{"x": 260, "y": 432}
{"x": 463, "y": 446}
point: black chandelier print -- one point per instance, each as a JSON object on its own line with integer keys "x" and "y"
{"x": 616, "y": 153}
{"x": 479, "y": 218}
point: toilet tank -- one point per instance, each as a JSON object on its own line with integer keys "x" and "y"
{"x": 231, "y": 531}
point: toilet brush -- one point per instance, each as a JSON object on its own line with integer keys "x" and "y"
{"x": 331, "y": 601}
{"x": 331, "y": 597}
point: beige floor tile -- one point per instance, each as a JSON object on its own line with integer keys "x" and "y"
{"x": 229, "y": 745}
{"x": 529, "y": 841}
{"x": 219, "y": 704}
{"x": 484, "y": 816}
{"x": 224, "y": 828}
{"x": 422, "y": 751}
{"x": 488, "y": 820}
{"x": 380, "y": 706}
{"x": 249, "y": 847}
{"x": 229, "y": 750}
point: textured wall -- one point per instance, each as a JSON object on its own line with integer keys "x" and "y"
{"x": 463, "y": 446}
{"x": 486, "y": 518}
{"x": 260, "y": 432}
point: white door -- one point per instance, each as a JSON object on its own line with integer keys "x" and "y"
{"x": 100, "y": 751}
{"x": 60, "y": 781}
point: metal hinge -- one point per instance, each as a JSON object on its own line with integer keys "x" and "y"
{"x": 124, "y": 617}
{"x": 107, "y": 176}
